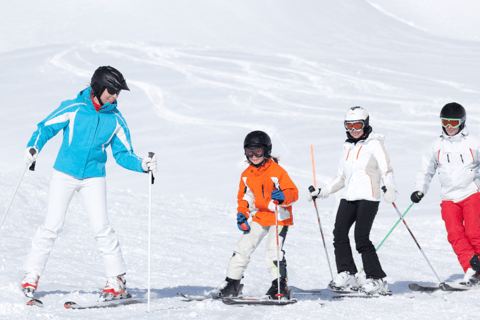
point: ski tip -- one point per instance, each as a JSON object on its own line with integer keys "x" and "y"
{"x": 70, "y": 305}
{"x": 446, "y": 287}
{"x": 35, "y": 302}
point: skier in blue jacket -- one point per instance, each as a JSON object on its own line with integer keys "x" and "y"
{"x": 91, "y": 122}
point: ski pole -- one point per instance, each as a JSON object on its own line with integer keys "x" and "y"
{"x": 316, "y": 210}
{"x": 361, "y": 270}
{"x": 278, "y": 251}
{"x": 418, "y": 245}
{"x": 151, "y": 180}
{"x": 32, "y": 168}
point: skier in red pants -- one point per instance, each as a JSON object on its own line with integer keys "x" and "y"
{"x": 455, "y": 155}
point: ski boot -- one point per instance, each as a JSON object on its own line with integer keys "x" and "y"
{"x": 30, "y": 283}
{"x": 115, "y": 289}
{"x": 375, "y": 286}
{"x": 471, "y": 278}
{"x": 285, "y": 292}
{"x": 344, "y": 282}
{"x": 228, "y": 288}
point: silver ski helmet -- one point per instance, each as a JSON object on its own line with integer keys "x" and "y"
{"x": 357, "y": 114}
{"x": 256, "y": 139}
{"x": 453, "y": 111}
{"x": 107, "y": 77}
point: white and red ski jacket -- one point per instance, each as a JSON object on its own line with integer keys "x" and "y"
{"x": 362, "y": 166}
{"x": 456, "y": 158}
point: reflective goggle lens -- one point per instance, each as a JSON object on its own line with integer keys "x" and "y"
{"x": 357, "y": 126}
{"x": 257, "y": 152}
{"x": 113, "y": 91}
{"x": 454, "y": 123}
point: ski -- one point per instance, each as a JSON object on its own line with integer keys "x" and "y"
{"x": 35, "y": 302}
{"x": 194, "y": 298}
{"x": 297, "y": 290}
{"x": 361, "y": 295}
{"x": 442, "y": 286}
{"x": 258, "y": 302}
{"x": 103, "y": 304}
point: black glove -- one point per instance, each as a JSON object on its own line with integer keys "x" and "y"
{"x": 417, "y": 196}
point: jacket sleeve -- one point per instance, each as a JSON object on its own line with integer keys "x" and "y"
{"x": 383, "y": 161}
{"x": 122, "y": 147}
{"x": 289, "y": 189}
{"x": 245, "y": 198}
{"x": 59, "y": 119}
{"x": 427, "y": 170}
{"x": 339, "y": 181}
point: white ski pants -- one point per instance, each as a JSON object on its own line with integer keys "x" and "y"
{"x": 249, "y": 242}
{"x": 93, "y": 193}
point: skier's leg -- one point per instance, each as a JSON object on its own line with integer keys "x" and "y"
{"x": 344, "y": 220}
{"x": 245, "y": 246}
{"x": 471, "y": 216}
{"x": 62, "y": 187}
{"x": 93, "y": 193}
{"x": 452, "y": 214}
{"x": 366, "y": 212}
{"x": 271, "y": 252}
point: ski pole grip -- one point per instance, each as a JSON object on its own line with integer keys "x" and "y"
{"x": 32, "y": 152}
{"x": 150, "y": 155}
{"x": 311, "y": 188}
{"x": 384, "y": 189}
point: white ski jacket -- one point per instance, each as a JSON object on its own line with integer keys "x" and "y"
{"x": 457, "y": 160}
{"x": 362, "y": 166}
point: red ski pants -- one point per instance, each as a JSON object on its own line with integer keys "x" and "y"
{"x": 462, "y": 220}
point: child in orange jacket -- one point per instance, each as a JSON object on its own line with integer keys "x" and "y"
{"x": 263, "y": 186}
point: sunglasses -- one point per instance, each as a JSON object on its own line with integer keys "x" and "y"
{"x": 454, "y": 123}
{"x": 357, "y": 126}
{"x": 256, "y": 151}
{"x": 113, "y": 91}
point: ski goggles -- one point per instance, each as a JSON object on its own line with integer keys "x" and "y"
{"x": 355, "y": 125}
{"x": 254, "y": 152}
{"x": 454, "y": 123}
{"x": 113, "y": 91}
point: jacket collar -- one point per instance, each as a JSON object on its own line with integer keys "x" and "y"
{"x": 258, "y": 171}
{"x": 85, "y": 96}
{"x": 459, "y": 136}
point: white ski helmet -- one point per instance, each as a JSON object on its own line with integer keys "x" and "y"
{"x": 357, "y": 114}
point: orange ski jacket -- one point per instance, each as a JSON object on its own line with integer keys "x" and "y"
{"x": 256, "y": 185}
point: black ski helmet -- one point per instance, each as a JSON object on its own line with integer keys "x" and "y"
{"x": 454, "y": 110}
{"x": 107, "y": 77}
{"x": 259, "y": 138}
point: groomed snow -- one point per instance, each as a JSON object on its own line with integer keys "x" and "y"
{"x": 202, "y": 75}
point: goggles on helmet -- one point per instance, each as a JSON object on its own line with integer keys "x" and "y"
{"x": 254, "y": 151}
{"x": 113, "y": 91}
{"x": 454, "y": 123}
{"x": 354, "y": 125}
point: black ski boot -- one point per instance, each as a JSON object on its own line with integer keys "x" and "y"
{"x": 228, "y": 288}
{"x": 284, "y": 291}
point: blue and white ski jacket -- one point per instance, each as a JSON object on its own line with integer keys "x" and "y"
{"x": 86, "y": 135}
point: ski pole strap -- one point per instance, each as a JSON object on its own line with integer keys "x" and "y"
{"x": 150, "y": 155}
{"x": 32, "y": 152}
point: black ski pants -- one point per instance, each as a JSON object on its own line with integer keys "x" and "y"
{"x": 363, "y": 213}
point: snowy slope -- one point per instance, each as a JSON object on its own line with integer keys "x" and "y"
{"x": 203, "y": 74}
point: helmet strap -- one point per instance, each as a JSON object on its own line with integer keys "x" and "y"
{"x": 97, "y": 92}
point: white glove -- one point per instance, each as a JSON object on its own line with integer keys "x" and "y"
{"x": 283, "y": 214}
{"x": 28, "y": 157}
{"x": 389, "y": 193}
{"x": 318, "y": 192}
{"x": 150, "y": 164}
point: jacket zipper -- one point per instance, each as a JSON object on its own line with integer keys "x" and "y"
{"x": 263, "y": 193}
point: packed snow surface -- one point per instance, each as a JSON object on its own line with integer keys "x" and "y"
{"x": 202, "y": 75}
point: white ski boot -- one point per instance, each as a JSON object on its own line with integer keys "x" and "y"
{"x": 228, "y": 288}
{"x": 115, "y": 289}
{"x": 375, "y": 286}
{"x": 344, "y": 281}
{"x": 471, "y": 278}
{"x": 30, "y": 283}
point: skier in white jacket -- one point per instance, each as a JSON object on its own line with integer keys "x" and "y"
{"x": 364, "y": 164}
{"x": 455, "y": 156}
